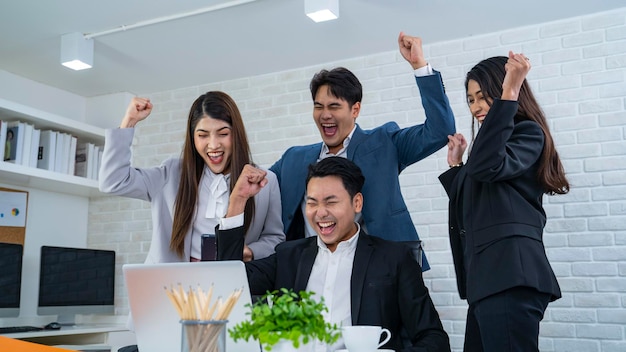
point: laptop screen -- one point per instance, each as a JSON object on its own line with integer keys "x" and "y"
{"x": 153, "y": 314}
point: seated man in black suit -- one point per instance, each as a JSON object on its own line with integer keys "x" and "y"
{"x": 364, "y": 280}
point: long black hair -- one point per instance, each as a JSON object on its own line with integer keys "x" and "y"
{"x": 489, "y": 74}
{"x": 220, "y": 106}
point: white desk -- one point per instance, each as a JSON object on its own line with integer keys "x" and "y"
{"x": 84, "y": 337}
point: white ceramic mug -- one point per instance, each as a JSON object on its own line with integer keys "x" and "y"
{"x": 364, "y": 338}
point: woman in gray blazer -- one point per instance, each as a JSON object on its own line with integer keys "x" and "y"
{"x": 496, "y": 215}
{"x": 190, "y": 196}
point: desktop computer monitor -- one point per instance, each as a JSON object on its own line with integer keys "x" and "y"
{"x": 10, "y": 279}
{"x": 76, "y": 281}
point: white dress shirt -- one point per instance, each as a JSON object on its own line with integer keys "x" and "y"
{"x": 212, "y": 204}
{"x": 330, "y": 278}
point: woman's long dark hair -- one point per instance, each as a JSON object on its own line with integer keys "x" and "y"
{"x": 220, "y": 106}
{"x": 489, "y": 74}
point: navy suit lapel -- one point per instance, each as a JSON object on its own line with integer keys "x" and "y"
{"x": 359, "y": 269}
{"x": 305, "y": 266}
{"x": 357, "y": 137}
{"x": 309, "y": 156}
{"x": 293, "y": 189}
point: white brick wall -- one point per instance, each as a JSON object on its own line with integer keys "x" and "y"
{"x": 578, "y": 75}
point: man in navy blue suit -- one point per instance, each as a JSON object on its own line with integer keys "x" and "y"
{"x": 381, "y": 153}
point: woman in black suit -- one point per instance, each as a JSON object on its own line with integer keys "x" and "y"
{"x": 496, "y": 217}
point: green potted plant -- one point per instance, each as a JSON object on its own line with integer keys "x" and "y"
{"x": 288, "y": 318}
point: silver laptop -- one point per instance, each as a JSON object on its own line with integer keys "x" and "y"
{"x": 155, "y": 319}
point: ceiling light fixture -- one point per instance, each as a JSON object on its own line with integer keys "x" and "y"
{"x": 76, "y": 51}
{"x": 322, "y": 10}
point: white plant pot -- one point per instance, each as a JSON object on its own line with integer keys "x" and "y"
{"x": 287, "y": 346}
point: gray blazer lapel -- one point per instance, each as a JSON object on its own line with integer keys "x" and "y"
{"x": 359, "y": 269}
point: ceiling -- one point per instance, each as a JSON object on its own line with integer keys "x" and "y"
{"x": 259, "y": 37}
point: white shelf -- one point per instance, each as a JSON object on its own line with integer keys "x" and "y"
{"x": 11, "y": 111}
{"x": 20, "y": 175}
{"x": 24, "y": 176}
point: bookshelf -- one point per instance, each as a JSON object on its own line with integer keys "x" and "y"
{"x": 20, "y": 175}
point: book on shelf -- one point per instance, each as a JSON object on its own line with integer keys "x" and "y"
{"x": 71, "y": 163}
{"x": 47, "y": 150}
{"x": 62, "y": 161}
{"x": 65, "y": 153}
{"x": 14, "y": 142}
{"x": 99, "y": 150}
{"x": 34, "y": 147}
{"x": 28, "y": 137}
{"x": 58, "y": 160}
{"x": 24, "y": 144}
{"x": 82, "y": 150}
{"x": 3, "y": 137}
{"x": 85, "y": 158}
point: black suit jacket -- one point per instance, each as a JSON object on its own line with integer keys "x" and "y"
{"x": 386, "y": 288}
{"x": 496, "y": 217}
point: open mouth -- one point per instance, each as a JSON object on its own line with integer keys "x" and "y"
{"x": 216, "y": 157}
{"x": 329, "y": 129}
{"x": 327, "y": 227}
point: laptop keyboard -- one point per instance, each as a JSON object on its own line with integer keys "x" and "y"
{"x": 17, "y": 329}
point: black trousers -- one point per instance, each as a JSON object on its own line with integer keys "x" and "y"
{"x": 506, "y": 322}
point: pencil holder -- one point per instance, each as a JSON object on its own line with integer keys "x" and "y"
{"x": 203, "y": 335}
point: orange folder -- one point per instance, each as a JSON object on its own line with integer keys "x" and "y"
{"x": 9, "y": 344}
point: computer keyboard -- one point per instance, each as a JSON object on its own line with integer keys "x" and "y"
{"x": 18, "y": 329}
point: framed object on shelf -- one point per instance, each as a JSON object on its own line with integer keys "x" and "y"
{"x": 13, "y": 209}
